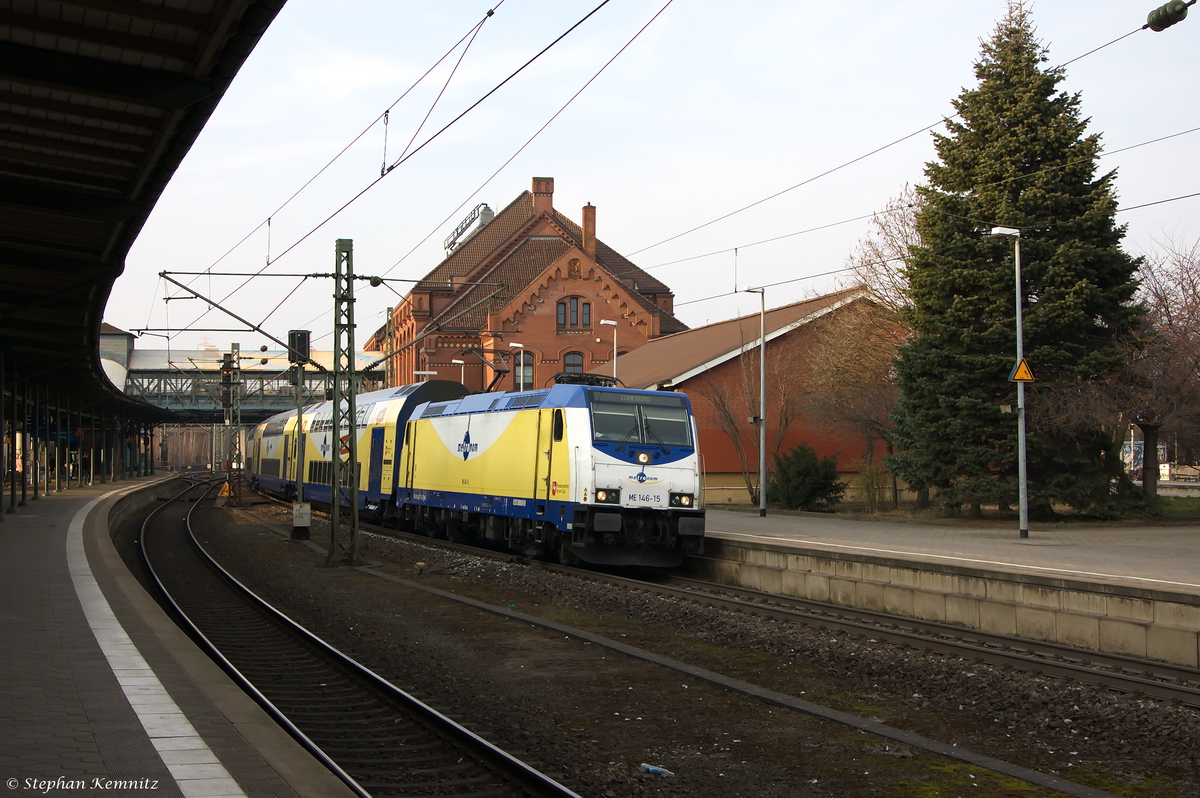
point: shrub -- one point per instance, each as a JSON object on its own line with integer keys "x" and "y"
{"x": 802, "y": 481}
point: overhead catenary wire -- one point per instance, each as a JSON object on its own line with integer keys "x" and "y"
{"x": 473, "y": 29}
{"x": 851, "y": 162}
{"x": 435, "y": 102}
{"x": 894, "y": 259}
{"x": 470, "y": 38}
{"x": 861, "y": 217}
{"x": 409, "y": 155}
{"x": 528, "y": 141}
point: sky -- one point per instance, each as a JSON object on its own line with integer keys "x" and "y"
{"x": 713, "y": 107}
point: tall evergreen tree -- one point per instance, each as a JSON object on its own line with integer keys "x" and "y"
{"x": 1017, "y": 156}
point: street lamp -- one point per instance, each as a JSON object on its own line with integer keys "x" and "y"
{"x": 762, "y": 398}
{"x": 424, "y": 374}
{"x": 462, "y": 370}
{"x": 519, "y": 359}
{"x": 1022, "y": 483}
{"x": 613, "y": 324}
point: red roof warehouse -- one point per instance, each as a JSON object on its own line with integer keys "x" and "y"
{"x": 718, "y": 366}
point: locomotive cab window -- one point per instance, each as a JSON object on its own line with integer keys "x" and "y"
{"x": 622, "y": 417}
{"x": 558, "y": 425}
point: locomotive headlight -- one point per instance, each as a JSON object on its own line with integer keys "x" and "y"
{"x": 608, "y": 496}
{"x": 682, "y": 499}
{"x": 643, "y": 457}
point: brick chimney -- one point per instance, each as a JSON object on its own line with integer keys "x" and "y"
{"x": 589, "y": 230}
{"x": 543, "y": 195}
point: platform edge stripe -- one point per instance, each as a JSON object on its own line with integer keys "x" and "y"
{"x": 921, "y": 556}
{"x": 130, "y": 669}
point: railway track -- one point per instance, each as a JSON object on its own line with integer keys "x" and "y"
{"x": 374, "y": 736}
{"x": 708, "y": 594}
{"x": 1148, "y": 678}
{"x": 1125, "y": 674}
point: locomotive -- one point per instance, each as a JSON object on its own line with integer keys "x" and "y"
{"x": 584, "y": 472}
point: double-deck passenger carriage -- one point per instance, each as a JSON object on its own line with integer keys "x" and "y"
{"x": 600, "y": 474}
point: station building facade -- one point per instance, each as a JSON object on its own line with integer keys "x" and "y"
{"x": 524, "y": 297}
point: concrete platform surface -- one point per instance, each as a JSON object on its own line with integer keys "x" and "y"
{"x": 1164, "y": 558}
{"x": 100, "y": 692}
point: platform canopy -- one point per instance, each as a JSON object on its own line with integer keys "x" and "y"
{"x": 99, "y": 102}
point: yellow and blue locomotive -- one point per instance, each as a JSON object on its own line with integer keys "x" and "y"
{"x": 602, "y": 474}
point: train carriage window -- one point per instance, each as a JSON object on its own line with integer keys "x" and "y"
{"x": 558, "y": 425}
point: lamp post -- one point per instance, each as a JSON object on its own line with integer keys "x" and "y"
{"x": 1022, "y": 482}
{"x": 519, "y": 359}
{"x": 462, "y": 370}
{"x": 762, "y": 398}
{"x": 613, "y": 324}
{"x": 424, "y": 374}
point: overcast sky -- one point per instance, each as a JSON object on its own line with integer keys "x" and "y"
{"x": 715, "y": 106}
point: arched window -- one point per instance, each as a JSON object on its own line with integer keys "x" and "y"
{"x": 573, "y": 363}
{"x": 572, "y": 312}
{"x": 523, "y": 371}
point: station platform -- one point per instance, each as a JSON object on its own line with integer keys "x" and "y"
{"x": 100, "y": 692}
{"x": 1121, "y": 589}
{"x": 1164, "y": 557}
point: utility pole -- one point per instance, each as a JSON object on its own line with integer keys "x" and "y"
{"x": 762, "y": 398}
{"x": 345, "y": 410}
{"x": 1020, "y": 375}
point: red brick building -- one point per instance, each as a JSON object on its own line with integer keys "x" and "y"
{"x": 717, "y": 366}
{"x": 528, "y": 276}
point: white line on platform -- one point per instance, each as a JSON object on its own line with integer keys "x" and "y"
{"x": 198, "y": 772}
{"x": 950, "y": 558}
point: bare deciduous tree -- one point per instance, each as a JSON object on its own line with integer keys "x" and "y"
{"x": 1158, "y": 389}
{"x": 850, "y": 373}
{"x": 850, "y": 360}
{"x": 735, "y": 407}
{"x": 879, "y": 261}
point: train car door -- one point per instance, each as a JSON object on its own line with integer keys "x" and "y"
{"x": 285, "y": 443}
{"x": 541, "y": 462}
{"x": 409, "y": 449}
{"x": 375, "y": 465}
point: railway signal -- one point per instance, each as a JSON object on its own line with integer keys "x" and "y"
{"x": 227, "y": 380}
{"x": 231, "y": 400}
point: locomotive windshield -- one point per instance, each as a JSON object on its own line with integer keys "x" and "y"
{"x": 642, "y": 418}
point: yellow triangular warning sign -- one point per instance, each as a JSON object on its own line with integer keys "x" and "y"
{"x": 224, "y": 490}
{"x": 1021, "y": 372}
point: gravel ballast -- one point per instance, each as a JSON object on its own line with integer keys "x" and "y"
{"x": 592, "y": 717}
